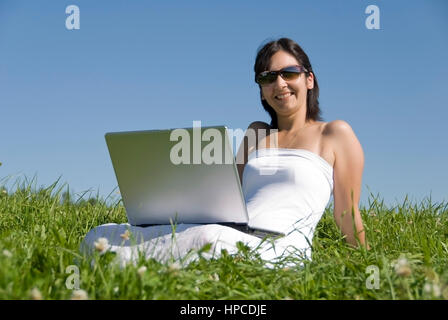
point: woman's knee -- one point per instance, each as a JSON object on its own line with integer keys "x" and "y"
{"x": 209, "y": 233}
{"x": 110, "y": 231}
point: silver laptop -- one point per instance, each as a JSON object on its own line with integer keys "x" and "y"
{"x": 185, "y": 175}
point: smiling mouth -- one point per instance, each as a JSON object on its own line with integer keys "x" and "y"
{"x": 283, "y": 96}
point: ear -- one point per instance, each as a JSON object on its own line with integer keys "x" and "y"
{"x": 310, "y": 81}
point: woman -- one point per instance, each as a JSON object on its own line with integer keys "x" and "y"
{"x": 291, "y": 99}
{"x": 286, "y": 185}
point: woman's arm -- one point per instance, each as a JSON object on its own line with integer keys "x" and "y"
{"x": 348, "y": 168}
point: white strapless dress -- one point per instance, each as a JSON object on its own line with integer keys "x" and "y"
{"x": 286, "y": 190}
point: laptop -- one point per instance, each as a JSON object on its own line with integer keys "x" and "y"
{"x": 182, "y": 175}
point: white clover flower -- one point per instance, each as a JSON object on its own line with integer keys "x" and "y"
{"x": 433, "y": 289}
{"x": 402, "y": 267}
{"x": 79, "y": 295}
{"x": 101, "y": 245}
{"x": 141, "y": 271}
{"x": 116, "y": 290}
{"x": 174, "y": 266}
{"x": 125, "y": 235}
{"x": 436, "y": 290}
{"x": 35, "y": 294}
{"x": 7, "y": 253}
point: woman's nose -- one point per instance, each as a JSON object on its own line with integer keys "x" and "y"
{"x": 280, "y": 82}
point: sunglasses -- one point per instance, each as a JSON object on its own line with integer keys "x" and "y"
{"x": 289, "y": 73}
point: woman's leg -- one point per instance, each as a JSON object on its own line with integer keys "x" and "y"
{"x": 165, "y": 243}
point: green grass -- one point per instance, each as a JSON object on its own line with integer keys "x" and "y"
{"x": 41, "y": 229}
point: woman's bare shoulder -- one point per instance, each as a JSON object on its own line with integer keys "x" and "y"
{"x": 336, "y": 126}
{"x": 340, "y": 134}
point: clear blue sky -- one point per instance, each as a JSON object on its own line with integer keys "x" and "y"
{"x": 138, "y": 65}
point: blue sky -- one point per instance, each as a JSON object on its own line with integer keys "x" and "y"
{"x": 139, "y": 65}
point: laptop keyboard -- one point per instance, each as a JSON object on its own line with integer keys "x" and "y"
{"x": 253, "y": 232}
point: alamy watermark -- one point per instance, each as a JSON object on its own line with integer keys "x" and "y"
{"x": 72, "y": 22}
{"x": 373, "y": 20}
{"x": 215, "y": 152}
{"x": 373, "y": 280}
{"x": 72, "y": 281}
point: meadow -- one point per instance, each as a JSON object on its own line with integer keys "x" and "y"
{"x": 41, "y": 229}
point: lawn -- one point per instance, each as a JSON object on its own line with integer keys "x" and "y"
{"x": 41, "y": 229}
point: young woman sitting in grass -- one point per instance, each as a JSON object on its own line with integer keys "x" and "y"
{"x": 287, "y": 185}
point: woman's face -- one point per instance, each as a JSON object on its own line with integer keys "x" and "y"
{"x": 295, "y": 90}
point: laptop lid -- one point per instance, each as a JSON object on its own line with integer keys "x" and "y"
{"x": 185, "y": 175}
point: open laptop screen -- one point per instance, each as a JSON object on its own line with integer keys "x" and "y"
{"x": 170, "y": 175}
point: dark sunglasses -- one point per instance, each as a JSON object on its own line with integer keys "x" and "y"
{"x": 288, "y": 73}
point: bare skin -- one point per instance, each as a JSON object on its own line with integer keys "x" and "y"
{"x": 315, "y": 137}
{"x": 334, "y": 141}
